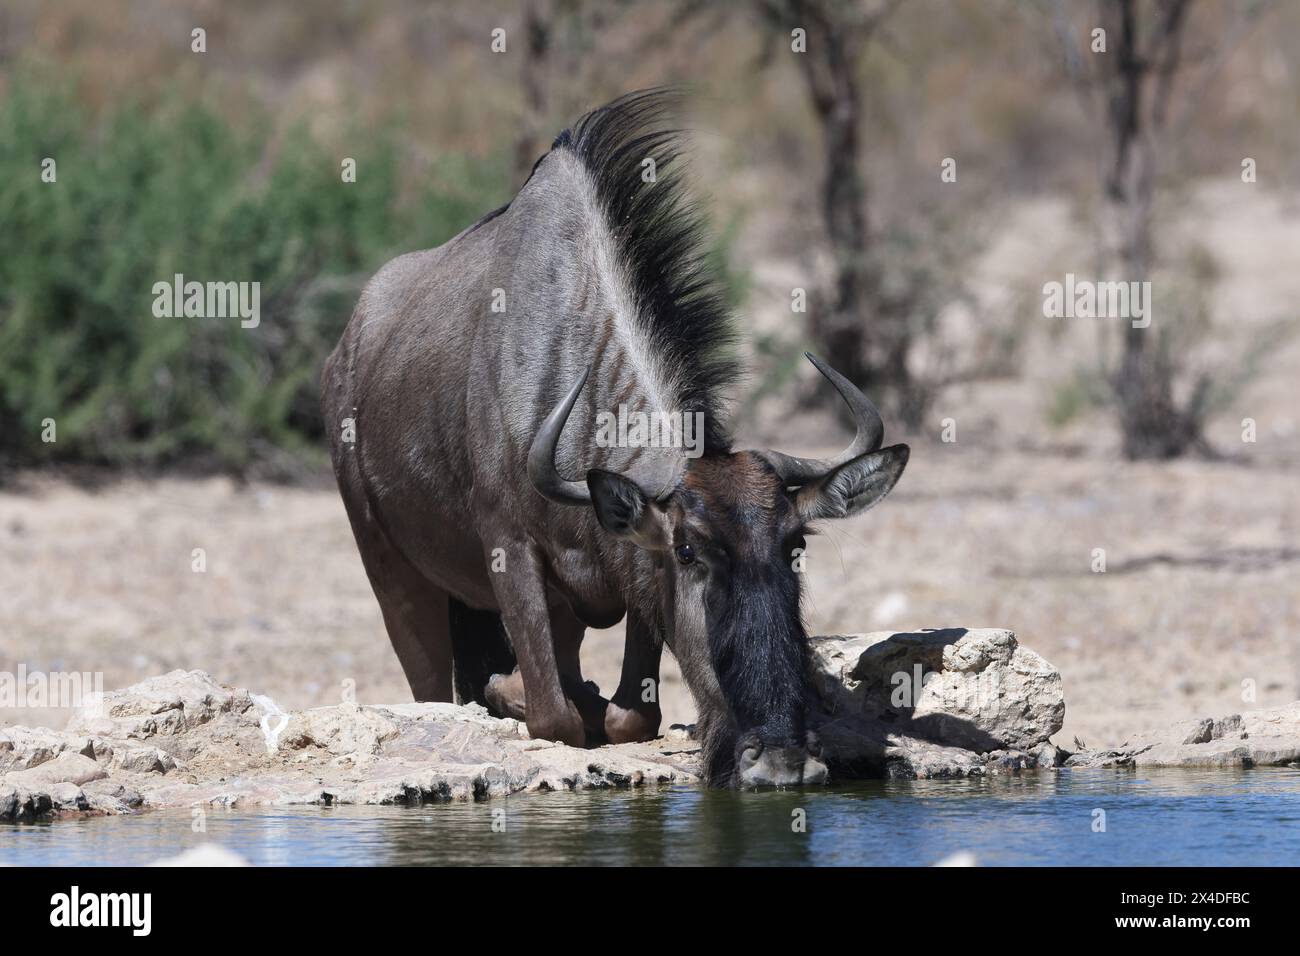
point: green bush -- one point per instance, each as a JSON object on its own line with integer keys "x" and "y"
{"x": 144, "y": 193}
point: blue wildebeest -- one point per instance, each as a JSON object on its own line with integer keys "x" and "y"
{"x": 472, "y": 379}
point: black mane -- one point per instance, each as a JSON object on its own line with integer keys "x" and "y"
{"x": 661, "y": 237}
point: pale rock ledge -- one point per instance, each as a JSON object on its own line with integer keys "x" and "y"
{"x": 936, "y": 703}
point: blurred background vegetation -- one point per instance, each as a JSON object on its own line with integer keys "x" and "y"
{"x": 822, "y": 171}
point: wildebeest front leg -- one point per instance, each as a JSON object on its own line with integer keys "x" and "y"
{"x": 568, "y": 632}
{"x": 521, "y": 595}
{"x": 505, "y": 692}
{"x": 633, "y": 713}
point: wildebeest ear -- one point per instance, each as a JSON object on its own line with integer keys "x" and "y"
{"x": 854, "y": 486}
{"x": 623, "y": 509}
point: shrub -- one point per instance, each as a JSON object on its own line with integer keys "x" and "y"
{"x": 144, "y": 193}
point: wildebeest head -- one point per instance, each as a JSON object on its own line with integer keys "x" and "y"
{"x": 727, "y": 541}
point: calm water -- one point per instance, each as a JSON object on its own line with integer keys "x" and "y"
{"x": 1152, "y": 818}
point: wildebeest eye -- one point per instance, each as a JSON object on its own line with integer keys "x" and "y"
{"x": 685, "y": 554}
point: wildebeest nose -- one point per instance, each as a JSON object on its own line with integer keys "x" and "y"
{"x": 775, "y": 766}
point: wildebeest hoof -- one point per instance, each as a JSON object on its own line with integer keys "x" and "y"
{"x": 505, "y": 695}
{"x": 625, "y": 726}
{"x": 565, "y": 727}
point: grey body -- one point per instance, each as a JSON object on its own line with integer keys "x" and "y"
{"x": 484, "y": 507}
{"x": 447, "y": 394}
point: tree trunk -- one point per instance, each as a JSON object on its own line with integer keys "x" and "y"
{"x": 1151, "y": 423}
{"x": 537, "y": 46}
{"x": 846, "y": 324}
{"x": 840, "y": 326}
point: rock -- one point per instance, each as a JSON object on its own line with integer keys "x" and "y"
{"x": 857, "y": 748}
{"x": 1260, "y": 738}
{"x": 913, "y": 758}
{"x": 681, "y": 732}
{"x": 1203, "y": 733}
{"x": 166, "y": 705}
{"x": 68, "y": 767}
{"x": 184, "y": 740}
{"x": 30, "y": 747}
{"x": 110, "y": 797}
{"x": 143, "y": 760}
{"x": 343, "y": 730}
{"x": 23, "y": 805}
{"x": 1008, "y": 760}
{"x": 1047, "y": 756}
{"x": 68, "y": 796}
{"x": 967, "y": 690}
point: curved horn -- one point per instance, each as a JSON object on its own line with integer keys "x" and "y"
{"x": 541, "y": 456}
{"x": 871, "y": 432}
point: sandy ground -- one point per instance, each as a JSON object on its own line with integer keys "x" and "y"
{"x": 1201, "y": 590}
